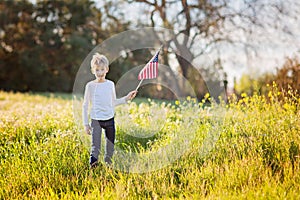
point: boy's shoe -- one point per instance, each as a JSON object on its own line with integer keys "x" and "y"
{"x": 93, "y": 162}
{"x": 93, "y": 165}
{"x": 107, "y": 161}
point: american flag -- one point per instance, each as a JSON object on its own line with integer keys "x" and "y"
{"x": 150, "y": 71}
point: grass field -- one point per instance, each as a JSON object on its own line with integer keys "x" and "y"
{"x": 253, "y": 154}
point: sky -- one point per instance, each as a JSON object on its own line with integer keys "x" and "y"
{"x": 270, "y": 45}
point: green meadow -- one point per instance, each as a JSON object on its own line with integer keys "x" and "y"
{"x": 248, "y": 148}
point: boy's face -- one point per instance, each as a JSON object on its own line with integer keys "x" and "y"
{"x": 100, "y": 72}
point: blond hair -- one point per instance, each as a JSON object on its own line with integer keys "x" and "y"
{"x": 99, "y": 60}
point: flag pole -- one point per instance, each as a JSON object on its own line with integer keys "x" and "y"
{"x": 146, "y": 65}
{"x": 139, "y": 85}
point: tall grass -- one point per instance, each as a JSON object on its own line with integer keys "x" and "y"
{"x": 246, "y": 149}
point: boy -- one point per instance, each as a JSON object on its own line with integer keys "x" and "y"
{"x": 101, "y": 95}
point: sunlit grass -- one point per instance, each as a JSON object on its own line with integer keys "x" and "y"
{"x": 246, "y": 149}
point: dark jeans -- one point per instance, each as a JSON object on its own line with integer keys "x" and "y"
{"x": 110, "y": 132}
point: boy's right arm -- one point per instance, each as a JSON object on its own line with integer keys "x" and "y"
{"x": 88, "y": 129}
{"x": 85, "y": 107}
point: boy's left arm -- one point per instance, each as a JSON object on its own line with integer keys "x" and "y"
{"x": 131, "y": 95}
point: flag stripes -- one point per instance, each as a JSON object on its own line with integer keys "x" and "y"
{"x": 150, "y": 71}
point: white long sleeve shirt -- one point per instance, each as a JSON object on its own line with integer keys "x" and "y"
{"x": 102, "y": 99}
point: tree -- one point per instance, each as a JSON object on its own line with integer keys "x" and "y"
{"x": 43, "y": 44}
{"x": 17, "y": 45}
{"x": 288, "y": 76}
{"x": 204, "y": 26}
{"x": 65, "y": 37}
